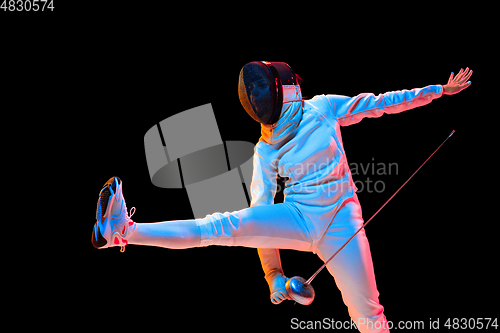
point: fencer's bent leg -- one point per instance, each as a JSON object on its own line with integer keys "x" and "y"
{"x": 352, "y": 268}
{"x": 273, "y": 226}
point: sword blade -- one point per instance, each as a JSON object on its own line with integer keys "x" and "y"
{"x": 308, "y": 282}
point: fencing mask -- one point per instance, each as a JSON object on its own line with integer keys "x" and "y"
{"x": 263, "y": 88}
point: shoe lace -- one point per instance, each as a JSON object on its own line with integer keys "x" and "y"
{"x": 129, "y": 222}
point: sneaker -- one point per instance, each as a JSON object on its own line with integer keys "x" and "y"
{"x": 113, "y": 224}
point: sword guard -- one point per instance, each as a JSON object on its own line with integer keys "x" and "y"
{"x": 298, "y": 291}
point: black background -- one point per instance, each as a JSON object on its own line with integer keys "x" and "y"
{"x": 89, "y": 81}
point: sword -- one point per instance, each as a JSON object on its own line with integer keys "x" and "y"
{"x": 301, "y": 290}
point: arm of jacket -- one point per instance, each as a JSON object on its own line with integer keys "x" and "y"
{"x": 263, "y": 187}
{"x": 263, "y": 190}
{"x": 351, "y": 110}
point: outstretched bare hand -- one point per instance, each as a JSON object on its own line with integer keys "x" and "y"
{"x": 458, "y": 83}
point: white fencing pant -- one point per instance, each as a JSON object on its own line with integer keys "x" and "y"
{"x": 284, "y": 226}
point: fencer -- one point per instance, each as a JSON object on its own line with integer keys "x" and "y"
{"x": 300, "y": 141}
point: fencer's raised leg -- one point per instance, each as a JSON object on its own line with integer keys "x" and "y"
{"x": 268, "y": 227}
{"x": 352, "y": 268}
{"x": 169, "y": 234}
{"x": 273, "y": 226}
{"x": 115, "y": 227}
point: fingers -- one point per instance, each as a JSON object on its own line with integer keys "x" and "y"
{"x": 466, "y": 78}
{"x": 277, "y": 298}
{"x": 462, "y": 75}
{"x": 464, "y": 86}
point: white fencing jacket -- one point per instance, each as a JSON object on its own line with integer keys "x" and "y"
{"x": 306, "y": 147}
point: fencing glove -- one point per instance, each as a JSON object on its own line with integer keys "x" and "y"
{"x": 271, "y": 264}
